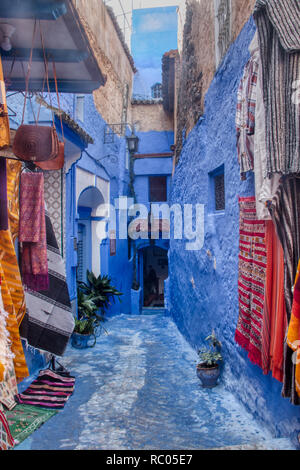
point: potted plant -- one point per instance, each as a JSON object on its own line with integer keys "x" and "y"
{"x": 84, "y": 335}
{"x": 94, "y": 297}
{"x": 208, "y": 369}
{"x": 100, "y": 290}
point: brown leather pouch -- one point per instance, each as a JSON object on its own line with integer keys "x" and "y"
{"x": 35, "y": 143}
{"x": 57, "y": 163}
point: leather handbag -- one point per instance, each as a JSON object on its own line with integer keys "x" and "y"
{"x": 36, "y": 143}
{"x": 33, "y": 142}
{"x": 57, "y": 163}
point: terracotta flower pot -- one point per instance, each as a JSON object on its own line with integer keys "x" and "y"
{"x": 208, "y": 375}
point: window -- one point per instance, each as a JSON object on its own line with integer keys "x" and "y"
{"x": 79, "y": 110}
{"x": 157, "y": 188}
{"x": 222, "y": 28}
{"x": 217, "y": 189}
{"x": 156, "y": 91}
{"x": 129, "y": 248}
{"x": 81, "y": 253}
{"x": 219, "y": 192}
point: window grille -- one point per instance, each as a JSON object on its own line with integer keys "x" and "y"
{"x": 219, "y": 192}
{"x": 217, "y": 200}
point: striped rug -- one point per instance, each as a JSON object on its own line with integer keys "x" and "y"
{"x": 49, "y": 390}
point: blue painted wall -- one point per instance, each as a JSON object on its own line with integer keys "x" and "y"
{"x": 152, "y": 142}
{"x": 154, "y": 32}
{"x": 202, "y": 298}
{"x": 107, "y": 161}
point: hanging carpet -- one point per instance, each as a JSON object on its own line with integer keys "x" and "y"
{"x": 278, "y": 26}
{"x": 285, "y": 213}
{"x": 251, "y": 282}
{"x": 50, "y": 390}
{"x": 11, "y": 284}
{"x": 49, "y": 322}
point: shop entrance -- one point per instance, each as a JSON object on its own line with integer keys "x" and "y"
{"x": 155, "y": 272}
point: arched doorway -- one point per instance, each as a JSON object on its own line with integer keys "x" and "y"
{"x": 154, "y": 267}
{"x": 88, "y": 247}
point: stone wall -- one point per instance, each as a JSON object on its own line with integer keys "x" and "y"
{"x": 151, "y": 117}
{"x": 203, "y": 285}
{"x": 197, "y": 64}
{"x": 113, "y": 58}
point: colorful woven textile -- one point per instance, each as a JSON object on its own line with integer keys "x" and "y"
{"x": 293, "y": 336}
{"x": 32, "y": 232}
{"x": 8, "y": 387}
{"x": 8, "y": 381}
{"x": 4, "y": 119}
{"x": 3, "y": 196}
{"x": 49, "y": 322}
{"x": 245, "y": 114}
{"x": 49, "y": 390}
{"x": 11, "y": 284}
{"x": 251, "y": 284}
{"x": 265, "y": 185}
{"x": 285, "y": 210}
{"x": 5, "y": 344}
{"x": 24, "y": 420}
{"x": 275, "y": 319}
{"x": 278, "y": 25}
{"x": 298, "y": 273}
{"x": 6, "y": 439}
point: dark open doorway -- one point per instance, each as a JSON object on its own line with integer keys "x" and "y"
{"x": 155, "y": 267}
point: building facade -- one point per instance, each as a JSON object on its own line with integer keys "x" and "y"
{"x": 204, "y": 284}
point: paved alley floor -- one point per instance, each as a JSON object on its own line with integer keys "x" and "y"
{"x": 138, "y": 389}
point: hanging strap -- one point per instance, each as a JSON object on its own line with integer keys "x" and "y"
{"x": 29, "y": 71}
{"x": 46, "y": 71}
{"x": 58, "y": 100}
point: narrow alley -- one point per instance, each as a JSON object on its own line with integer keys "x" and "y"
{"x": 149, "y": 226}
{"x": 138, "y": 389}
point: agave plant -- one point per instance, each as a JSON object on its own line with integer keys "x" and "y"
{"x": 84, "y": 327}
{"x": 88, "y": 318}
{"x": 99, "y": 290}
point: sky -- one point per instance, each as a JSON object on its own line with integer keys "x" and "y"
{"x": 126, "y": 6}
{"x": 148, "y": 35}
{"x": 154, "y": 32}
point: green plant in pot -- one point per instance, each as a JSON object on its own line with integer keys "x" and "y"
{"x": 85, "y": 325}
{"x": 93, "y": 297}
{"x": 100, "y": 290}
{"x": 208, "y": 369}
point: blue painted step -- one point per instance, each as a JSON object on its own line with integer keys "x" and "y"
{"x": 153, "y": 311}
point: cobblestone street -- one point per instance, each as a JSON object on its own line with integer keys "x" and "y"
{"x": 137, "y": 389}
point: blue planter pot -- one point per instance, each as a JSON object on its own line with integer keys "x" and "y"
{"x": 208, "y": 376}
{"x": 79, "y": 341}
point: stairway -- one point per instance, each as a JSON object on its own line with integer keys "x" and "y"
{"x": 153, "y": 311}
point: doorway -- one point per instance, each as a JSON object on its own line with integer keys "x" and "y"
{"x": 155, "y": 272}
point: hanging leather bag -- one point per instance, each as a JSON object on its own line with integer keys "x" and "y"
{"x": 33, "y": 142}
{"x": 58, "y": 162}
